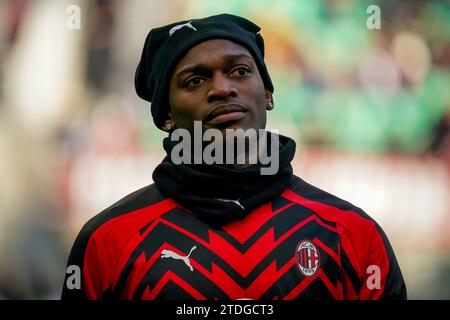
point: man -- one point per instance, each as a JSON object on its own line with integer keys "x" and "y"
{"x": 227, "y": 229}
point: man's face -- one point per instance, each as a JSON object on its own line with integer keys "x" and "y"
{"x": 217, "y": 82}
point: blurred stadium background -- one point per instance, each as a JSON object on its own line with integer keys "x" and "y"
{"x": 369, "y": 110}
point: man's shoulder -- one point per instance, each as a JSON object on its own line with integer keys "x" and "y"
{"x": 341, "y": 215}
{"x": 323, "y": 201}
{"x": 136, "y": 200}
{"x": 133, "y": 202}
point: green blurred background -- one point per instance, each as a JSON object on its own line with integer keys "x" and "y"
{"x": 368, "y": 108}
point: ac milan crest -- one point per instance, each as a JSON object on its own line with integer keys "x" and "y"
{"x": 308, "y": 258}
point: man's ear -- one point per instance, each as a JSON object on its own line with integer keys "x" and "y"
{"x": 169, "y": 124}
{"x": 269, "y": 100}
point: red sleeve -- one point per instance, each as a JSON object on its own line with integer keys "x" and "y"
{"x": 382, "y": 278}
{"x": 372, "y": 259}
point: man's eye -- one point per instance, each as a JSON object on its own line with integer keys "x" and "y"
{"x": 193, "y": 82}
{"x": 240, "y": 72}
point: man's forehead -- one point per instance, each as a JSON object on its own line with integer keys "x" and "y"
{"x": 216, "y": 49}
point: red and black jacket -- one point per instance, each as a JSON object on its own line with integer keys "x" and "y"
{"x": 304, "y": 243}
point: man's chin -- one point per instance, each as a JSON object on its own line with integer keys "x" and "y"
{"x": 231, "y": 125}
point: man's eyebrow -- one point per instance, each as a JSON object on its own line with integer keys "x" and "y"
{"x": 197, "y": 68}
{"x": 201, "y": 68}
{"x": 232, "y": 58}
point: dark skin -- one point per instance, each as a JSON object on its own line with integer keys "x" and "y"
{"x": 212, "y": 74}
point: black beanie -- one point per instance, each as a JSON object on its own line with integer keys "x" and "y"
{"x": 165, "y": 46}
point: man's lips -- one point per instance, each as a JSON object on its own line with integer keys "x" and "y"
{"x": 225, "y": 113}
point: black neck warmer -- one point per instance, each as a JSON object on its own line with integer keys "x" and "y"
{"x": 219, "y": 194}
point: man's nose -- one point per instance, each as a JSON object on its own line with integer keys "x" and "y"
{"x": 221, "y": 87}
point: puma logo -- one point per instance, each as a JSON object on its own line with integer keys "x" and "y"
{"x": 170, "y": 254}
{"x": 236, "y": 202}
{"x": 178, "y": 27}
